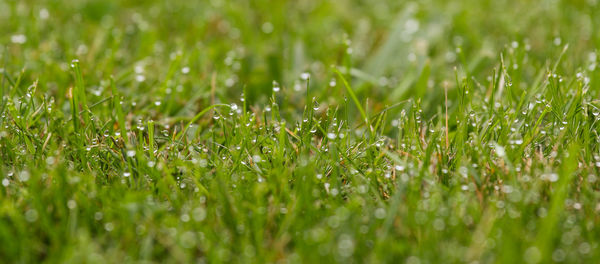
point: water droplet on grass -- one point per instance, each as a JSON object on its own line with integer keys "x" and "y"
{"x": 18, "y": 39}
{"x": 332, "y": 82}
{"x": 24, "y": 176}
{"x": 380, "y": 213}
{"x": 331, "y": 135}
{"x": 31, "y": 215}
{"x": 71, "y": 204}
{"x": 44, "y": 14}
{"x": 557, "y": 41}
{"x": 305, "y": 76}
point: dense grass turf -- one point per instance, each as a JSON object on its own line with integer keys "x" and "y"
{"x": 299, "y": 131}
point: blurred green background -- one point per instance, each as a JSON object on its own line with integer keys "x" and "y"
{"x": 384, "y": 45}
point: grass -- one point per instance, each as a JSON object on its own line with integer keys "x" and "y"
{"x": 299, "y": 131}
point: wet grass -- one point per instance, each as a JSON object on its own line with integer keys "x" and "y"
{"x": 299, "y": 131}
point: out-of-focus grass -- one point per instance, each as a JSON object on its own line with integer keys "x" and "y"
{"x": 299, "y": 131}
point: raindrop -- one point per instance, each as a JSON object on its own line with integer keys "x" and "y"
{"x": 557, "y": 41}
{"x": 380, "y": 213}
{"x": 185, "y": 70}
{"x": 44, "y": 14}
{"x": 71, "y": 204}
{"x": 332, "y": 82}
{"x": 305, "y": 76}
{"x": 18, "y": 39}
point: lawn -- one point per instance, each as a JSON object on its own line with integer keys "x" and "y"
{"x": 350, "y": 131}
